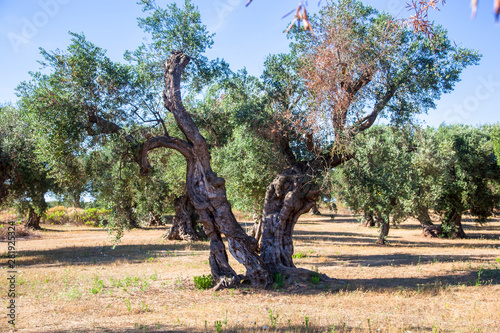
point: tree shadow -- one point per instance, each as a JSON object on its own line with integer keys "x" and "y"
{"x": 103, "y": 255}
{"x": 433, "y": 284}
{"x": 311, "y": 327}
{"x": 57, "y": 228}
{"x": 400, "y": 259}
{"x": 361, "y": 239}
{"x": 428, "y": 285}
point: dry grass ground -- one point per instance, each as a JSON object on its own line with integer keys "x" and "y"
{"x": 70, "y": 279}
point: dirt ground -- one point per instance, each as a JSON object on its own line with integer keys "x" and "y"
{"x": 70, "y": 279}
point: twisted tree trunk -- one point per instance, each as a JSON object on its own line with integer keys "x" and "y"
{"x": 452, "y": 225}
{"x": 291, "y": 194}
{"x": 384, "y": 229}
{"x": 184, "y": 223}
{"x": 33, "y": 221}
{"x": 205, "y": 189}
{"x": 428, "y": 228}
{"x": 153, "y": 220}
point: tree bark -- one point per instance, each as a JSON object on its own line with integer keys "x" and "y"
{"x": 205, "y": 189}
{"x": 314, "y": 210}
{"x": 384, "y": 230}
{"x": 128, "y": 213}
{"x": 76, "y": 199}
{"x": 33, "y": 221}
{"x": 452, "y": 225}
{"x": 290, "y": 195}
{"x": 369, "y": 220}
{"x": 153, "y": 220}
{"x": 428, "y": 228}
{"x": 184, "y": 223}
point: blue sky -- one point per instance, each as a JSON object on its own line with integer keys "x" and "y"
{"x": 244, "y": 36}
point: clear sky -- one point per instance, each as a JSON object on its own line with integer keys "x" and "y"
{"x": 244, "y": 36}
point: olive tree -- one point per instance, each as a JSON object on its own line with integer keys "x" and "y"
{"x": 86, "y": 97}
{"x": 378, "y": 179}
{"x": 24, "y": 178}
{"x": 358, "y": 66}
{"x": 468, "y": 171}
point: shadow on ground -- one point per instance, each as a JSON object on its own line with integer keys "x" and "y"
{"x": 103, "y": 255}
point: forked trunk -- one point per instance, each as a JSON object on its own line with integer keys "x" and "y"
{"x": 452, "y": 225}
{"x": 33, "y": 221}
{"x": 127, "y": 212}
{"x": 185, "y": 222}
{"x": 290, "y": 195}
{"x": 208, "y": 194}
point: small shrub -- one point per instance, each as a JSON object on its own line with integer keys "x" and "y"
{"x": 60, "y": 215}
{"x": 203, "y": 282}
{"x": 218, "y": 326}
{"x": 299, "y": 255}
{"x": 315, "y": 278}
{"x": 97, "y": 287}
{"x": 279, "y": 281}
{"x": 273, "y": 317}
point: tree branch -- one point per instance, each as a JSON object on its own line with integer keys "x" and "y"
{"x": 162, "y": 142}
{"x": 174, "y": 67}
{"x": 367, "y": 121}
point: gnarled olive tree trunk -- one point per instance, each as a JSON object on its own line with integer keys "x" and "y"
{"x": 368, "y": 219}
{"x": 384, "y": 229}
{"x": 185, "y": 222}
{"x": 451, "y": 226}
{"x": 33, "y": 221}
{"x": 205, "y": 189}
{"x": 291, "y": 194}
{"x": 428, "y": 228}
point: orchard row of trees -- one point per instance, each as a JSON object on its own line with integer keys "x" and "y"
{"x": 170, "y": 127}
{"x": 399, "y": 173}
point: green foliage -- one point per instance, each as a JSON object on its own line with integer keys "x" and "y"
{"x": 315, "y": 278}
{"x": 218, "y": 326}
{"x": 405, "y": 173}
{"x": 97, "y": 286}
{"x": 279, "y": 280}
{"x": 92, "y": 115}
{"x": 203, "y": 282}
{"x": 495, "y": 135}
{"x": 248, "y": 164}
{"x": 273, "y": 318}
{"x": 175, "y": 29}
{"x": 469, "y": 171}
{"x": 91, "y": 216}
{"x": 299, "y": 255}
{"x": 378, "y": 179}
{"x": 24, "y": 178}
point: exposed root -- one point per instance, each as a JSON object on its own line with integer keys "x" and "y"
{"x": 226, "y": 282}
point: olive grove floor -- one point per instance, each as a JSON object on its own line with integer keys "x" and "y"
{"x": 70, "y": 279}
